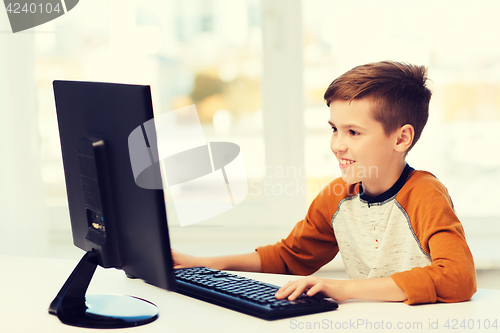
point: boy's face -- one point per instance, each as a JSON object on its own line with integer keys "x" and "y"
{"x": 365, "y": 153}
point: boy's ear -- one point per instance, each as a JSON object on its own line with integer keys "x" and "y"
{"x": 405, "y": 138}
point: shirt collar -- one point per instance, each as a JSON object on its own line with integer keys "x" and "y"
{"x": 398, "y": 185}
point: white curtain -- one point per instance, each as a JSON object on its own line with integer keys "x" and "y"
{"x": 23, "y": 219}
{"x": 283, "y": 102}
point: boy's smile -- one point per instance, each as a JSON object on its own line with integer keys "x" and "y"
{"x": 364, "y": 151}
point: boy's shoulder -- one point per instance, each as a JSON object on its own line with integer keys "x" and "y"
{"x": 423, "y": 187}
{"x": 420, "y": 179}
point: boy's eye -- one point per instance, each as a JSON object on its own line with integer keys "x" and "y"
{"x": 353, "y": 132}
{"x": 334, "y": 129}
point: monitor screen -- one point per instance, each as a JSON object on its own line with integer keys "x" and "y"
{"x": 123, "y": 225}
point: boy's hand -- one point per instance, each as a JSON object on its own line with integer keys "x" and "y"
{"x": 336, "y": 289}
{"x": 241, "y": 262}
{"x": 182, "y": 260}
{"x": 382, "y": 289}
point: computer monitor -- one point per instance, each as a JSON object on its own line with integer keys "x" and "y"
{"x": 116, "y": 222}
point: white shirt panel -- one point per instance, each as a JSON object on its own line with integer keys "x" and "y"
{"x": 376, "y": 240}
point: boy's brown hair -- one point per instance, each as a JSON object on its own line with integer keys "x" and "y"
{"x": 398, "y": 90}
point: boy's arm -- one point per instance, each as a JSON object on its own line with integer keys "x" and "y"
{"x": 249, "y": 262}
{"x": 381, "y": 289}
{"x": 312, "y": 243}
{"x": 309, "y": 246}
{"x": 451, "y": 277}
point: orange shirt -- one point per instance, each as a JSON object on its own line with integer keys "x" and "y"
{"x": 416, "y": 239}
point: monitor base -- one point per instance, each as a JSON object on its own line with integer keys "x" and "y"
{"x": 73, "y": 307}
{"x": 107, "y": 311}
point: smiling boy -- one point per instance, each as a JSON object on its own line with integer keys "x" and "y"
{"x": 395, "y": 227}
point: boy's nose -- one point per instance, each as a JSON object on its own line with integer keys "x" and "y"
{"x": 338, "y": 146}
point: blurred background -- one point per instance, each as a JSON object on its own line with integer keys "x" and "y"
{"x": 256, "y": 71}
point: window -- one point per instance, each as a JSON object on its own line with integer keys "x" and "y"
{"x": 189, "y": 52}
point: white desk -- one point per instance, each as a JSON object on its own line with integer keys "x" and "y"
{"x": 28, "y": 285}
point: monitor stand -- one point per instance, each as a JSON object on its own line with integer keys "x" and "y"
{"x": 73, "y": 307}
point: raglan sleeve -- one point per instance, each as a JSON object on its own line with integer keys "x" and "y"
{"x": 451, "y": 276}
{"x": 310, "y": 245}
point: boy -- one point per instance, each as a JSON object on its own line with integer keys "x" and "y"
{"x": 395, "y": 227}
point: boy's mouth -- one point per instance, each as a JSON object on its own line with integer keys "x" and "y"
{"x": 344, "y": 163}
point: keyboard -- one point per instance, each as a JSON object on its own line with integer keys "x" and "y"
{"x": 245, "y": 295}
